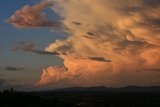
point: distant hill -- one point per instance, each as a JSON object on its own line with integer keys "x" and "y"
{"x": 153, "y": 89}
{"x": 131, "y": 96}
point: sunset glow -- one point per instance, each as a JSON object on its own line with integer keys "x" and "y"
{"x": 109, "y": 43}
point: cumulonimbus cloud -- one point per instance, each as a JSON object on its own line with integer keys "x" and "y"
{"x": 124, "y": 33}
{"x": 111, "y": 43}
{"x": 32, "y": 16}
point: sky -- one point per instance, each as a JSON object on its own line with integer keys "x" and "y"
{"x": 31, "y": 63}
{"x": 46, "y": 44}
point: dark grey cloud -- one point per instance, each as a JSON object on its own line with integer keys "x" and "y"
{"x": 29, "y": 47}
{"x": 25, "y": 46}
{"x": 44, "y": 52}
{"x": 9, "y": 68}
{"x": 99, "y": 59}
{"x": 88, "y": 37}
{"x": 90, "y": 33}
{"x": 77, "y": 23}
{"x": 63, "y": 53}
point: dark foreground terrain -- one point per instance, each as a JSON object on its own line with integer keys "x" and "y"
{"x": 82, "y": 97}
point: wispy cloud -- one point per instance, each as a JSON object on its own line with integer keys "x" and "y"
{"x": 10, "y": 68}
{"x": 32, "y": 17}
{"x": 99, "y": 59}
{"x": 29, "y": 47}
{"x": 45, "y": 52}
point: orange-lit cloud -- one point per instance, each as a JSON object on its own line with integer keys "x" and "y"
{"x": 111, "y": 43}
{"x": 32, "y": 17}
{"x": 74, "y": 73}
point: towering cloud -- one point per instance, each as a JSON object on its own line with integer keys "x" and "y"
{"x": 111, "y": 43}
{"x": 32, "y": 17}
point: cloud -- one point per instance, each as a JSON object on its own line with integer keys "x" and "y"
{"x": 124, "y": 31}
{"x": 25, "y": 46}
{"x": 72, "y": 73}
{"x": 32, "y": 17}
{"x": 99, "y": 59}
{"x": 9, "y": 68}
{"x": 45, "y": 52}
{"x": 88, "y": 37}
{"x": 77, "y": 23}
{"x": 29, "y": 47}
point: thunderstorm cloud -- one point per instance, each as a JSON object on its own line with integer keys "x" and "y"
{"x": 110, "y": 43}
